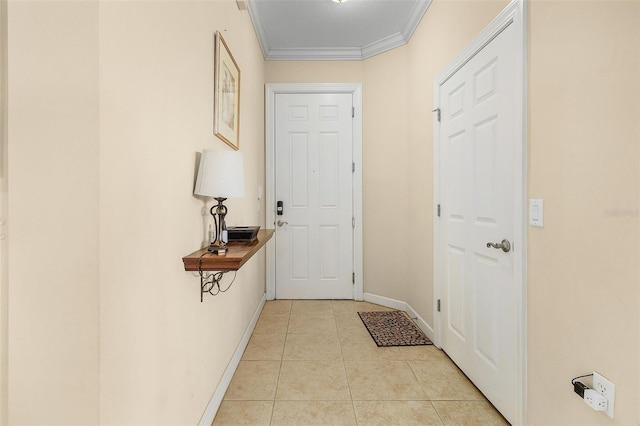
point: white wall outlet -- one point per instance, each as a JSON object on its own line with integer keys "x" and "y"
{"x": 605, "y": 388}
{"x": 595, "y": 400}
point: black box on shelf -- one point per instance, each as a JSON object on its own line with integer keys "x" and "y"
{"x": 245, "y": 234}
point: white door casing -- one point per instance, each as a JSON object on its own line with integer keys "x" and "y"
{"x": 479, "y": 187}
{"x": 316, "y": 251}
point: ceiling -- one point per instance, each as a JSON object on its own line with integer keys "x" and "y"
{"x": 325, "y": 30}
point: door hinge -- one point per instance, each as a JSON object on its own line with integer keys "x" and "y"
{"x": 437, "y": 111}
{"x": 353, "y": 112}
{"x": 353, "y": 167}
{"x": 353, "y": 222}
{"x": 353, "y": 278}
{"x": 438, "y": 305}
{"x": 438, "y": 210}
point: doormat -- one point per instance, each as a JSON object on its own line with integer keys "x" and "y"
{"x": 393, "y": 328}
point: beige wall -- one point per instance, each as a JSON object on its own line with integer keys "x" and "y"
{"x": 4, "y": 276}
{"x": 584, "y": 133}
{"x": 108, "y": 106}
{"x": 314, "y": 72}
{"x": 162, "y": 351}
{"x": 53, "y": 209}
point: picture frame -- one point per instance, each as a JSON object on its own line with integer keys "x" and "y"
{"x": 226, "y": 100}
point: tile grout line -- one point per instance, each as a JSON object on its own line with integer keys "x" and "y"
{"x": 344, "y": 366}
{"x": 275, "y": 394}
{"x": 435, "y": 410}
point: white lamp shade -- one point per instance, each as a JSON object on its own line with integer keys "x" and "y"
{"x": 221, "y": 174}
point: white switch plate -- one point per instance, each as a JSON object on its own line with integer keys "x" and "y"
{"x": 536, "y": 212}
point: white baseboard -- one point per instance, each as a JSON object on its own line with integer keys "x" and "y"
{"x": 428, "y": 330}
{"x": 385, "y": 301}
{"x": 403, "y": 306}
{"x": 218, "y": 394}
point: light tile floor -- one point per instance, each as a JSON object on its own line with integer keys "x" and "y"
{"x": 312, "y": 362}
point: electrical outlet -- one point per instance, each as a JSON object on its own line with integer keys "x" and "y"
{"x": 595, "y": 400}
{"x": 605, "y": 388}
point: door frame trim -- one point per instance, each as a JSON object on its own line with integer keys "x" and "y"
{"x": 271, "y": 90}
{"x": 513, "y": 14}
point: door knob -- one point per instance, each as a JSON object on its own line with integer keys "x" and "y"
{"x": 281, "y": 223}
{"x": 505, "y": 245}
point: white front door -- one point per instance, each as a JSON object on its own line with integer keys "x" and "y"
{"x": 478, "y": 139}
{"x": 314, "y": 184}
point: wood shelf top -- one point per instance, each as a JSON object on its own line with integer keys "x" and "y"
{"x": 236, "y": 256}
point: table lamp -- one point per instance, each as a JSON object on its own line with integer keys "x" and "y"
{"x": 220, "y": 176}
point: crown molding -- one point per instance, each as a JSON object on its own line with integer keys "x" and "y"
{"x": 356, "y": 53}
{"x": 414, "y": 19}
{"x": 258, "y": 27}
{"x": 313, "y": 54}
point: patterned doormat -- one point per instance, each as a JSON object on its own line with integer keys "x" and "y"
{"x": 393, "y": 328}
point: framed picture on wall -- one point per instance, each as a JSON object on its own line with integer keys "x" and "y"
{"x": 226, "y": 100}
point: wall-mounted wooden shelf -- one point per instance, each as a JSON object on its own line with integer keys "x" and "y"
{"x": 236, "y": 256}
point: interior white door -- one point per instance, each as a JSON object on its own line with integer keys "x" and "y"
{"x": 314, "y": 183}
{"x": 478, "y": 136}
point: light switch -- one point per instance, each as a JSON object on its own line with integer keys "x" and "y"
{"x": 536, "y": 212}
